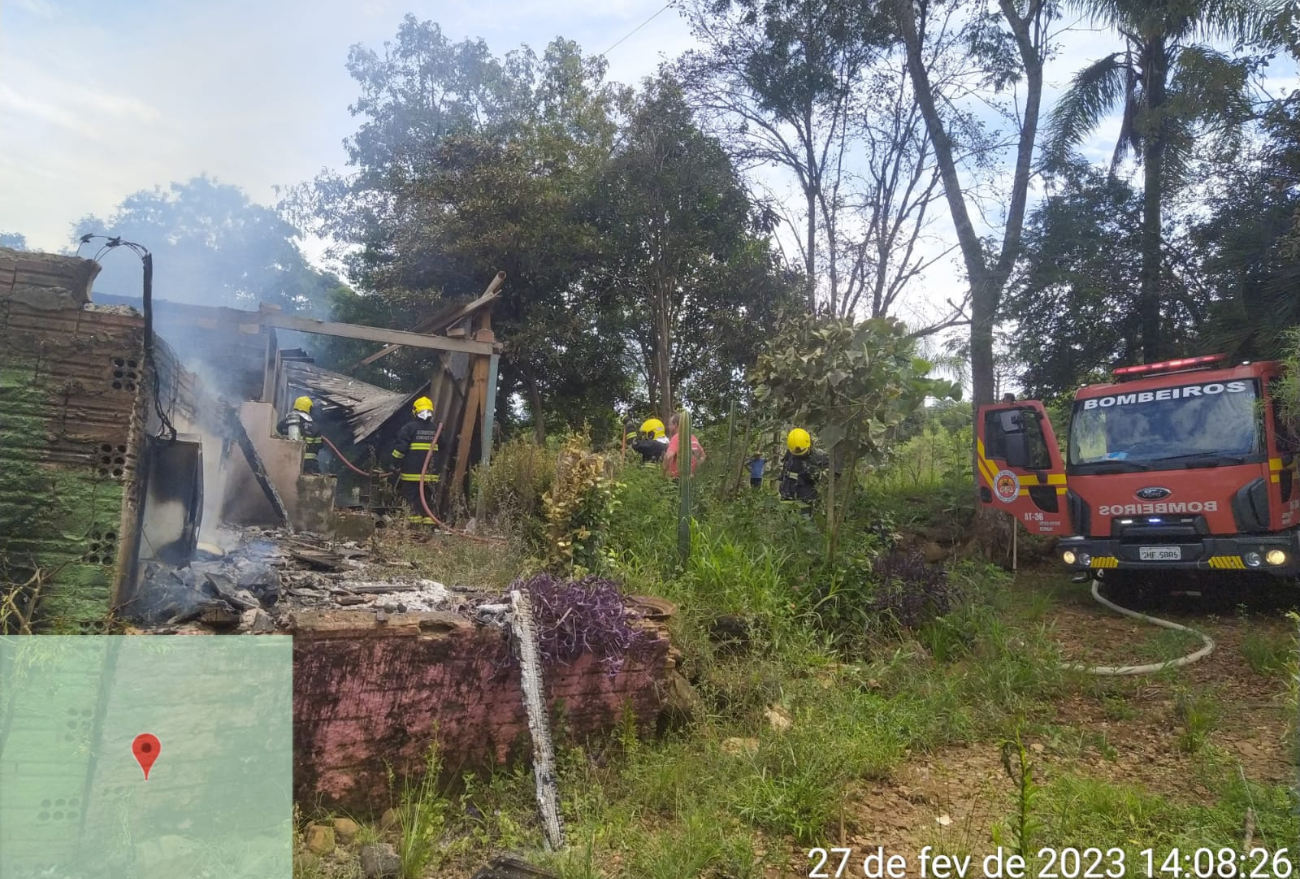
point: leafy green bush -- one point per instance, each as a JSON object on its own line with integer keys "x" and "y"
{"x": 578, "y": 508}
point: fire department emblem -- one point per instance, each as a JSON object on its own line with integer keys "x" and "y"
{"x": 1006, "y": 486}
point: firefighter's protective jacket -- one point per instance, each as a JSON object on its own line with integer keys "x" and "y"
{"x": 800, "y": 475}
{"x": 413, "y": 443}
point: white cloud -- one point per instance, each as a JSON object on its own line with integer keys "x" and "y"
{"x": 254, "y": 92}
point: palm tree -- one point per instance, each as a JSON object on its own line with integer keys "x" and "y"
{"x": 1169, "y": 88}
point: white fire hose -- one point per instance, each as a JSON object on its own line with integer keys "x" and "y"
{"x": 1151, "y": 668}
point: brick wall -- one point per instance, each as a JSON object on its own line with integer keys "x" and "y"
{"x": 75, "y": 405}
{"x": 368, "y": 694}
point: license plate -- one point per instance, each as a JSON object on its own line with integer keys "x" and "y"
{"x": 1160, "y": 553}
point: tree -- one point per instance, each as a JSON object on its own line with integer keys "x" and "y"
{"x": 1007, "y": 48}
{"x": 13, "y": 240}
{"x": 1170, "y": 90}
{"x": 778, "y": 79}
{"x": 464, "y": 165}
{"x": 850, "y": 384}
{"x": 680, "y": 253}
{"x": 212, "y": 246}
{"x": 1072, "y": 295}
{"x": 889, "y": 199}
{"x": 1249, "y": 245}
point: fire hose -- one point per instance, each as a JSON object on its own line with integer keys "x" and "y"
{"x": 1115, "y": 670}
{"x": 424, "y": 470}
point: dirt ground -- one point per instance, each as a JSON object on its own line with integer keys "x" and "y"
{"x": 952, "y": 798}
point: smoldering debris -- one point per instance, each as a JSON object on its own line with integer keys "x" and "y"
{"x": 253, "y": 580}
{"x": 210, "y": 585}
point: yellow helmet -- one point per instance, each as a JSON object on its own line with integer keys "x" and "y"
{"x": 653, "y": 427}
{"x": 423, "y": 404}
{"x": 798, "y": 441}
{"x": 302, "y": 404}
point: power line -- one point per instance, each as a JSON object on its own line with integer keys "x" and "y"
{"x": 635, "y": 29}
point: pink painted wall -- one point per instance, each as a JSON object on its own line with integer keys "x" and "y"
{"x": 369, "y": 694}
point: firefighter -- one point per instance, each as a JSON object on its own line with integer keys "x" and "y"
{"x": 298, "y": 425}
{"x": 801, "y": 469}
{"x": 630, "y": 432}
{"x": 414, "y": 444}
{"x": 653, "y": 442}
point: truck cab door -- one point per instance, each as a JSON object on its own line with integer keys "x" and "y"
{"x": 1020, "y": 466}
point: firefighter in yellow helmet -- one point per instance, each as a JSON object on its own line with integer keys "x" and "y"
{"x": 414, "y": 444}
{"x": 653, "y": 442}
{"x": 801, "y": 469}
{"x": 299, "y": 425}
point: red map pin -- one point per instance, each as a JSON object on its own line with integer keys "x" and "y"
{"x": 146, "y": 748}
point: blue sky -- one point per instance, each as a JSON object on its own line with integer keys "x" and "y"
{"x": 95, "y": 105}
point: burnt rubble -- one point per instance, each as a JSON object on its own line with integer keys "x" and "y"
{"x": 261, "y": 577}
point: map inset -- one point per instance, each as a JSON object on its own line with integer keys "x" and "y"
{"x": 75, "y": 715}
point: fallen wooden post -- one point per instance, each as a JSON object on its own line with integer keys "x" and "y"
{"x": 245, "y": 442}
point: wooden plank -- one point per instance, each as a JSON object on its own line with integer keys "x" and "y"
{"x": 488, "y": 295}
{"x": 370, "y": 334}
{"x": 245, "y": 443}
{"x": 475, "y": 402}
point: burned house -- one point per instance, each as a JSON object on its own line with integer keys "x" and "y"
{"x": 119, "y": 446}
{"x": 122, "y": 450}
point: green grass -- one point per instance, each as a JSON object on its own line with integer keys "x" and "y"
{"x": 865, "y": 699}
{"x": 1082, "y": 811}
{"x": 1197, "y": 713}
{"x": 1268, "y": 653}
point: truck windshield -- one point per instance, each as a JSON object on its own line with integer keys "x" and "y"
{"x": 1195, "y": 425}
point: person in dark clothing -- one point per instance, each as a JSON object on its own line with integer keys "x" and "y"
{"x": 653, "y": 442}
{"x": 415, "y": 441}
{"x": 801, "y": 469}
{"x": 298, "y": 425}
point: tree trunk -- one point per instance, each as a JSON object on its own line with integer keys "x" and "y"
{"x": 1152, "y": 195}
{"x": 810, "y": 258}
{"x": 663, "y": 361}
{"x": 535, "y": 404}
{"x": 986, "y": 277}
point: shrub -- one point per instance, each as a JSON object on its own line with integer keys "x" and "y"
{"x": 909, "y": 591}
{"x": 576, "y": 617}
{"x": 578, "y": 507}
{"x": 514, "y": 486}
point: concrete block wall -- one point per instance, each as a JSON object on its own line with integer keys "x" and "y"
{"x": 368, "y": 695}
{"x": 71, "y": 403}
{"x": 75, "y": 406}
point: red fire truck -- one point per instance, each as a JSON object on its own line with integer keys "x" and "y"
{"x": 1180, "y": 465}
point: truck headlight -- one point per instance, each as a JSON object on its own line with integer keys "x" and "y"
{"x": 1068, "y": 556}
{"x": 1252, "y": 559}
{"x": 1085, "y": 559}
{"x": 1275, "y": 557}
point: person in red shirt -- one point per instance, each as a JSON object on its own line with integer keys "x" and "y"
{"x": 670, "y": 456}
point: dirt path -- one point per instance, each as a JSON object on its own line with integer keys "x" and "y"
{"x": 1119, "y": 730}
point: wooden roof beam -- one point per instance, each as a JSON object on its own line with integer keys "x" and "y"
{"x": 370, "y": 334}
